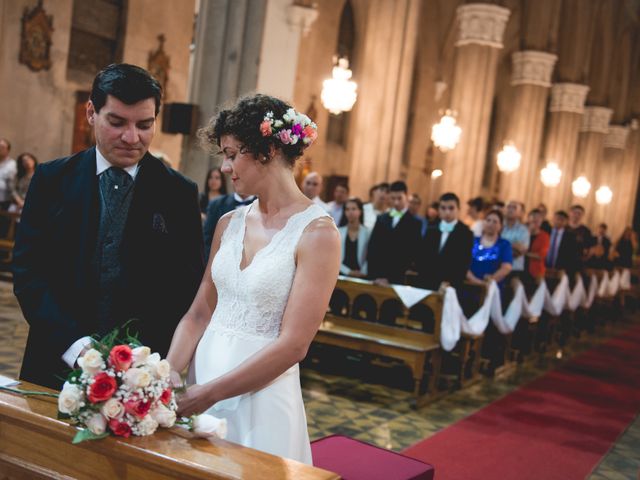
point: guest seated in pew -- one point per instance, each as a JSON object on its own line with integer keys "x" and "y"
{"x": 584, "y": 238}
{"x": 546, "y": 226}
{"x": 564, "y": 253}
{"x": 626, "y": 246}
{"x": 445, "y": 252}
{"x": 394, "y": 241}
{"x": 491, "y": 257}
{"x": 598, "y": 253}
{"x": 474, "y": 215}
{"x": 354, "y": 239}
{"x": 27, "y": 164}
{"x": 432, "y": 214}
{"x": 415, "y": 202}
{"x": 538, "y": 247}
{"x": 517, "y": 235}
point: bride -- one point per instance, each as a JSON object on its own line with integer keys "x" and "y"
{"x": 272, "y": 268}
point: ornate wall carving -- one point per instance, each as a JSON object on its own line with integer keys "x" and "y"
{"x": 35, "y": 43}
{"x": 482, "y": 24}
{"x": 531, "y": 67}
{"x": 568, "y": 97}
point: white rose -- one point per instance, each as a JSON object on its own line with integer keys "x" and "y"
{"x": 137, "y": 378}
{"x": 112, "y": 408}
{"x": 140, "y": 355}
{"x": 164, "y": 416}
{"x": 205, "y": 425}
{"x": 147, "y": 425}
{"x": 97, "y": 424}
{"x": 91, "y": 361}
{"x": 162, "y": 369}
{"x": 69, "y": 399}
{"x": 153, "y": 359}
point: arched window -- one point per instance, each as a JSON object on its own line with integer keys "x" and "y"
{"x": 338, "y": 126}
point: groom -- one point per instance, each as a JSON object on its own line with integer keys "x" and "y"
{"x": 106, "y": 235}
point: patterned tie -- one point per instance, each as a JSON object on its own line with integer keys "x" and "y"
{"x": 115, "y": 186}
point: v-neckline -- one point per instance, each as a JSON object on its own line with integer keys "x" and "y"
{"x": 268, "y": 244}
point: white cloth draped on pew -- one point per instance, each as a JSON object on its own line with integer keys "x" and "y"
{"x": 454, "y": 322}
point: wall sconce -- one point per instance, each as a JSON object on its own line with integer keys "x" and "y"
{"x": 604, "y": 195}
{"x": 581, "y": 186}
{"x": 339, "y": 93}
{"x": 446, "y": 134}
{"x": 509, "y": 158}
{"x": 550, "y": 175}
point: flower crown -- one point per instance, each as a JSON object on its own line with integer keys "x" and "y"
{"x": 293, "y": 126}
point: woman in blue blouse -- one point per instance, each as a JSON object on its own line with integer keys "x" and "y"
{"x": 491, "y": 255}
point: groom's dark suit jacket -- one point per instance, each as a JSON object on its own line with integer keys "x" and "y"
{"x": 161, "y": 259}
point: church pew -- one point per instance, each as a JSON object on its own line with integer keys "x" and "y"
{"x": 34, "y": 444}
{"x": 371, "y": 319}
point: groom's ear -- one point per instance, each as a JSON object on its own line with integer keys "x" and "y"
{"x": 91, "y": 113}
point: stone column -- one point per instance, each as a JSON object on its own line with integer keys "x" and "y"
{"x": 629, "y": 176}
{"x": 531, "y": 81}
{"x": 225, "y": 65}
{"x": 595, "y": 126}
{"x": 381, "y": 111}
{"x": 479, "y": 41}
{"x": 564, "y": 122}
{"x": 610, "y": 172}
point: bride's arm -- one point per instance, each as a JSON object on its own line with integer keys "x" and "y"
{"x": 195, "y": 321}
{"x": 318, "y": 263}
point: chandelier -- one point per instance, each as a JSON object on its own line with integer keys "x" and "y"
{"x": 437, "y": 173}
{"x": 604, "y": 195}
{"x": 339, "y": 92}
{"x": 581, "y": 186}
{"x": 446, "y": 134}
{"x": 550, "y": 175}
{"x": 509, "y": 158}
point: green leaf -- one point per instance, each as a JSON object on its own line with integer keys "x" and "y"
{"x": 86, "y": 434}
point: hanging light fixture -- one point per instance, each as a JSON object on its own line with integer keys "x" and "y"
{"x": 550, "y": 175}
{"x": 509, "y": 158}
{"x": 581, "y": 186}
{"x": 604, "y": 195}
{"x": 437, "y": 173}
{"x": 339, "y": 92}
{"x": 446, "y": 134}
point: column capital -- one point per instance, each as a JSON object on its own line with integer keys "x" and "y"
{"x": 481, "y": 24}
{"x": 568, "y": 97}
{"x": 302, "y": 17}
{"x": 596, "y": 119}
{"x": 531, "y": 67}
{"x": 616, "y": 137}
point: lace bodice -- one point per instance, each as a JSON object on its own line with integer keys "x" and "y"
{"x": 251, "y": 301}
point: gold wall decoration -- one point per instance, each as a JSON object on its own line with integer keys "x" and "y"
{"x": 158, "y": 65}
{"x": 35, "y": 44}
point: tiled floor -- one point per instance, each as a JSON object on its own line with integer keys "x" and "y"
{"x": 374, "y": 403}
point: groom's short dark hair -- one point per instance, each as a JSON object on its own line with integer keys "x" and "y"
{"x": 128, "y": 83}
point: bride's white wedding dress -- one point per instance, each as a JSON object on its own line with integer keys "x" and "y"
{"x": 248, "y": 315}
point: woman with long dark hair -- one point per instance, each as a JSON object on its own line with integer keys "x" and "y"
{"x": 355, "y": 239}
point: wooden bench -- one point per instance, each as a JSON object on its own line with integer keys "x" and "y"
{"x": 8, "y": 223}
{"x": 370, "y": 318}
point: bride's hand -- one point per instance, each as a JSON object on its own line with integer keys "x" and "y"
{"x": 195, "y": 400}
{"x": 175, "y": 380}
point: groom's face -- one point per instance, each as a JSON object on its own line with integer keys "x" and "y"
{"x": 123, "y": 132}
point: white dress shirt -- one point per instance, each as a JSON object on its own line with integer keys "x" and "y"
{"x": 445, "y": 235}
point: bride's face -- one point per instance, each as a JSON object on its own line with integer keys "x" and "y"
{"x": 240, "y": 164}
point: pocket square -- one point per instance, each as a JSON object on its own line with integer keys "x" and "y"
{"x": 159, "y": 225}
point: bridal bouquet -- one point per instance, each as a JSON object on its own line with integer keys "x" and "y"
{"x": 123, "y": 389}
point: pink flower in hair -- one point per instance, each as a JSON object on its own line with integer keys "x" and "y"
{"x": 285, "y": 136}
{"x": 310, "y": 133}
{"x": 265, "y": 128}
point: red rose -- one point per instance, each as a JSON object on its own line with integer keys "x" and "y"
{"x": 102, "y": 388}
{"x": 137, "y": 408}
{"x": 121, "y": 357}
{"x": 166, "y": 396}
{"x": 121, "y": 429}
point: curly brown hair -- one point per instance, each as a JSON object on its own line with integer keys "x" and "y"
{"x": 243, "y": 122}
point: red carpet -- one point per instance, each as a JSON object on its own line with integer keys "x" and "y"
{"x": 556, "y": 427}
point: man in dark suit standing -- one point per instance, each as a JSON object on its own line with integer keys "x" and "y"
{"x": 216, "y": 209}
{"x": 393, "y": 244}
{"x": 106, "y": 235}
{"x": 564, "y": 253}
{"x": 445, "y": 254}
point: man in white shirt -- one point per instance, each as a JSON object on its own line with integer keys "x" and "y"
{"x": 474, "y": 216}
{"x": 335, "y": 208}
{"x": 311, "y": 187}
{"x": 378, "y": 200}
{"x": 106, "y": 235}
{"x": 516, "y": 234}
{"x": 8, "y": 171}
